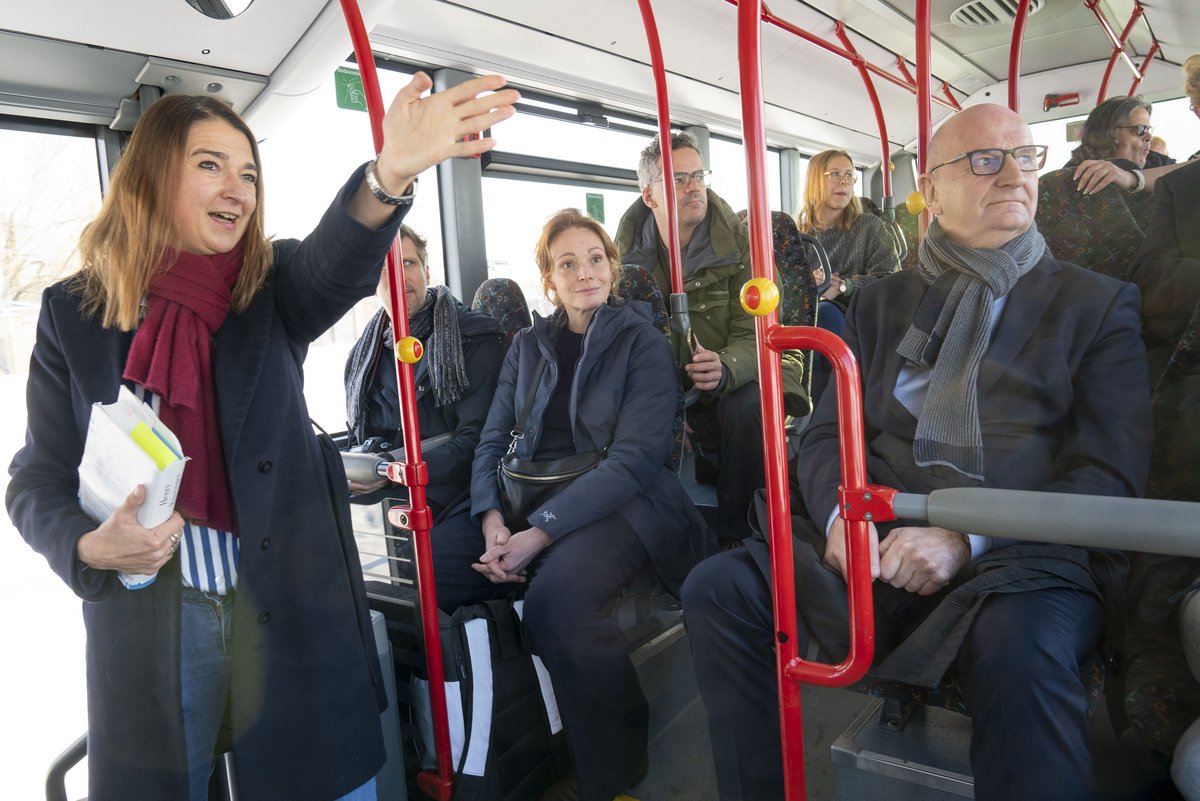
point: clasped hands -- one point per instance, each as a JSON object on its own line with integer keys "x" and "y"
{"x": 506, "y": 556}
{"x": 920, "y": 559}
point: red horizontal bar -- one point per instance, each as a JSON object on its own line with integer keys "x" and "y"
{"x": 853, "y": 58}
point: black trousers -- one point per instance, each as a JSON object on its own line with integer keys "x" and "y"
{"x": 568, "y": 621}
{"x": 1019, "y": 670}
{"x": 739, "y": 419}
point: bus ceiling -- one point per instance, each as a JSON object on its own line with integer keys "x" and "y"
{"x": 78, "y": 60}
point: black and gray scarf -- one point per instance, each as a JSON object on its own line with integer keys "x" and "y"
{"x": 436, "y": 325}
{"x": 949, "y": 335}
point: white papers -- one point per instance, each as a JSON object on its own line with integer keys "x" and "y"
{"x": 128, "y": 445}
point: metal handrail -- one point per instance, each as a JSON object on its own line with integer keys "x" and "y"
{"x": 412, "y": 472}
{"x": 772, "y": 338}
{"x": 1118, "y": 43}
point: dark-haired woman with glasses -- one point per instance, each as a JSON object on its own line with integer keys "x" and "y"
{"x": 860, "y": 247}
{"x": 1115, "y": 148}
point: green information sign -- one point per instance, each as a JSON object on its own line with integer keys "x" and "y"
{"x": 350, "y": 94}
{"x": 595, "y": 207}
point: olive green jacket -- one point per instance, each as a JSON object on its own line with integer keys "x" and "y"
{"x": 717, "y": 317}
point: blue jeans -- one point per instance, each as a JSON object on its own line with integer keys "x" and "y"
{"x": 206, "y": 626}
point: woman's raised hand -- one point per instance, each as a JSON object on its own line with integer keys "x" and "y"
{"x": 420, "y": 132}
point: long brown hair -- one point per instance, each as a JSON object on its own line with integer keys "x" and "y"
{"x": 814, "y": 195}
{"x": 126, "y": 245}
{"x": 565, "y": 220}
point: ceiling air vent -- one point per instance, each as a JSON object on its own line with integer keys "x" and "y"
{"x": 983, "y": 13}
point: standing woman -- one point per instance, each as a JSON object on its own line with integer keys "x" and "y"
{"x": 605, "y": 383}
{"x": 257, "y": 633}
{"x": 860, "y": 247}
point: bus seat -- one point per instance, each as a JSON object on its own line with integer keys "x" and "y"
{"x": 503, "y": 299}
{"x": 909, "y": 226}
{"x": 1098, "y": 231}
{"x": 637, "y": 284}
{"x": 793, "y": 272}
{"x": 899, "y": 237}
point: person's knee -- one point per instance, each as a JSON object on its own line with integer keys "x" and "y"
{"x": 722, "y": 588}
{"x": 741, "y": 407}
{"x": 1022, "y": 648}
{"x": 1185, "y": 767}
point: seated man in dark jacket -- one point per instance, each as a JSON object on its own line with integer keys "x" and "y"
{"x": 455, "y": 378}
{"x": 992, "y": 364}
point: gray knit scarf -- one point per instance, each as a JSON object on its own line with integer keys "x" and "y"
{"x": 949, "y": 334}
{"x": 436, "y": 325}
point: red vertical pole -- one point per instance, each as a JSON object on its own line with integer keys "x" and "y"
{"x": 924, "y": 109}
{"x": 1014, "y": 56}
{"x": 884, "y": 142}
{"x": 770, "y": 392}
{"x": 664, "y": 138}
{"x": 415, "y": 475}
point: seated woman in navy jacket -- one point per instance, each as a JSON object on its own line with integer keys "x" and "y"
{"x": 608, "y": 386}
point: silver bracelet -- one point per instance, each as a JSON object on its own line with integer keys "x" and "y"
{"x": 382, "y": 195}
{"x": 1141, "y": 181}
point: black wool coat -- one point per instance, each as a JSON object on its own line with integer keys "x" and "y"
{"x": 305, "y": 685}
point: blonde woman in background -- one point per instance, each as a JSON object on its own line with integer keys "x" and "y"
{"x": 860, "y": 248}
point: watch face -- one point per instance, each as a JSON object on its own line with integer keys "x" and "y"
{"x": 842, "y": 287}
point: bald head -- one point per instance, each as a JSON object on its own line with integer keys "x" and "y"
{"x": 980, "y": 211}
{"x": 972, "y": 124}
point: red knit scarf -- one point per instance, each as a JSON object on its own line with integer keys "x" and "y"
{"x": 171, "y": 356}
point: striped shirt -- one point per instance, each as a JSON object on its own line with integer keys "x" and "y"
{"x": 208, "y": 558}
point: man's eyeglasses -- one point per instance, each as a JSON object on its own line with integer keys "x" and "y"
{"x": 682, "y": 178}
{"x": 1139, "y": 130}
{"x": 842, "y": 176}
{"x": 990, "y": 161}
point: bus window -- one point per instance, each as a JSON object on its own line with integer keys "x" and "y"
{"x": 1173, "y": 120}
{"x": 563, "y": 137}
{"x": 727, "y": 160}
{"x": 51, "y": 189}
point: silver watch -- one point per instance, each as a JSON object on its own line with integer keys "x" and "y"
{"x": 382, "y": 195}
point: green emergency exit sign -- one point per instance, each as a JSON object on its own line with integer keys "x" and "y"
{"x": 595, "y": 207}
{"x": 350, "y": 94}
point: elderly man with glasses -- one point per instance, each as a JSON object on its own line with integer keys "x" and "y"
{"x": 720, "y": 359}
{"x": 992, "y": 364}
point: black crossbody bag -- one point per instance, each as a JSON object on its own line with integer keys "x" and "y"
{"x": 526, "y": 484}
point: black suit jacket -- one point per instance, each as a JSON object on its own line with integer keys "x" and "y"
{"x": 1167, "y": 269}
{"x": 1064, "y": 402}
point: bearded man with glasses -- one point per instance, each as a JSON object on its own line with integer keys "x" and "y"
{"x": 720, "y": 359}
{"x": 991, "y": 364}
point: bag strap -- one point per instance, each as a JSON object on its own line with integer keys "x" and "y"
{"x": 518, "y": 431}
{"x": 504, "y": 619}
